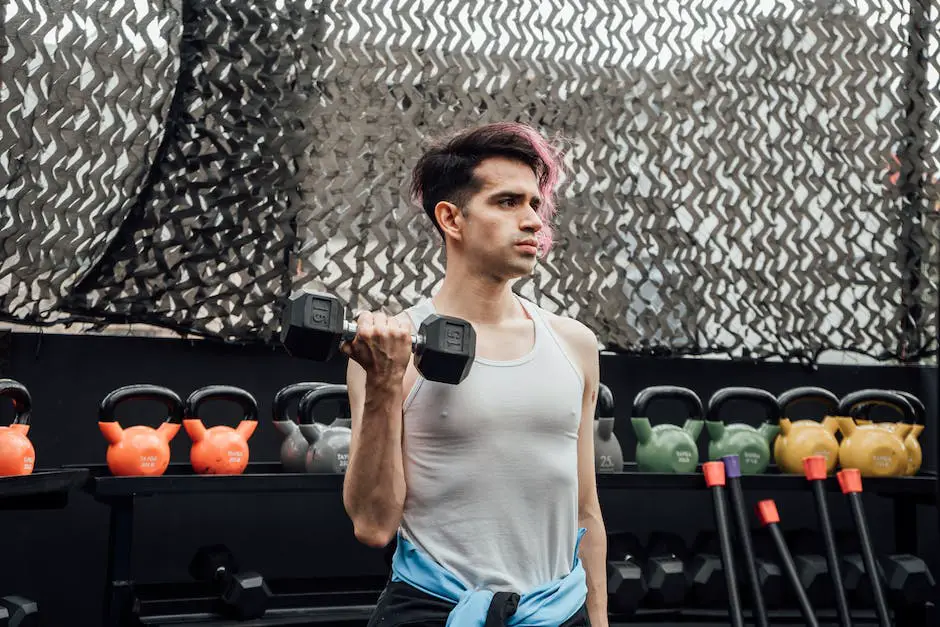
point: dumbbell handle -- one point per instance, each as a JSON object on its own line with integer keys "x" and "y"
{"x": 350, "y": 329}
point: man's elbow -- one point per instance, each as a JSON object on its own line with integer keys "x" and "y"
{"x": 372, "y": 530}
{"x": 589, "y": 510}
{"x": 373, "y": 536}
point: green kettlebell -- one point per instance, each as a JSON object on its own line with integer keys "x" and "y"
{"x": 750, "y": 444}
{"x": 666, "y": 448}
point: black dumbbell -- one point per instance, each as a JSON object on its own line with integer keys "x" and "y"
{"x": 810, "y": 560}
{"x": 664, "y": 569}
{"x": 626, "y": 585}
{"x": 906, "y": 579}
{"x": 769, "y": 572}
{"x": 242, "y": 596}
{"x": 705, "y": 573}
{"x": 707, "y": 585}
{"x": 854, "y": 575}
{"x": 314, "y": 325}
{"x": 17, "y": 611}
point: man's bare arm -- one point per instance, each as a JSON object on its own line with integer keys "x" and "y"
{"x": 583, "y": 344}
{"x": 374, "y": 486}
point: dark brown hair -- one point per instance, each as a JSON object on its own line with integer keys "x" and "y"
{"x": 445, "y": 172}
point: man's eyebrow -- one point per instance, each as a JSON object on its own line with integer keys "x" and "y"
{"x": 536, "y": 200}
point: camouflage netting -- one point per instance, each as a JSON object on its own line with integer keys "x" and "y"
{"x": 751, "y": 178}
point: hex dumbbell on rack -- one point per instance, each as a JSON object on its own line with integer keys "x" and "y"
{"x": 242, "y": 596}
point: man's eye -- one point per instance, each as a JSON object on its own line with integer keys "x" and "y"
{"x": 507, "y": 202}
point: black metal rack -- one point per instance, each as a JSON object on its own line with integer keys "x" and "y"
{"x": 40, "y": 490}
{"x": 128, "y": 602}
{"x": 43, "y": 489}
{"x": 122, "y": 595}
{"x": 906, "y": 493}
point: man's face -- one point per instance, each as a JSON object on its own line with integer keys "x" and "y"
{"x": 500, "y": 222}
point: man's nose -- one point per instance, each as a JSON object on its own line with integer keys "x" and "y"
{"x": 532, "y": 221}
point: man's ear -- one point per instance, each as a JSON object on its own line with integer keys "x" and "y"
{"x": 450, "y": 219}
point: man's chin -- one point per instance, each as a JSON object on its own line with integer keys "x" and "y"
{"x": 522, "y": 268}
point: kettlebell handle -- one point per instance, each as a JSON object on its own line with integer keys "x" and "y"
{"x": 646, "y": 396}
{"x": 858, "y": 404}
{"x": 808, "y": 394}
{"x": 22, "y": 401}
{"x": 142, "y": 392}
{"x": 920, "y": 410}
{"x": 605, "y": 402}
{"x": 756, "y": 395}
{"x": 284, "y": 396}
{"x": 236, "y": 395}
{"x": 305, "y": 410}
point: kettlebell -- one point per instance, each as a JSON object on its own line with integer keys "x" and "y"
{"x": 805, "y": 438}
{"x": 874, "y": 449}
{"x": 139, "y": 450}
{"x": 329, "y": 445}
{"x": 915, "y": 455}
{"x": 666, "y": 447}
{"x": 608, "y": 455}
{"x": 750, "y": 444}
{"x": 220, "y": 450}
{"x": 294, "y": 447}
{"x": 17, "y": 455}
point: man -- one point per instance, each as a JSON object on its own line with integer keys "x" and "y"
{"x": 487, "y": 485}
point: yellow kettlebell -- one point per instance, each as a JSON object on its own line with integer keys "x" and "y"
{"x": 805, "y": 437}
{"x": 915, "y": 455}
{"x": 874, "y": 450}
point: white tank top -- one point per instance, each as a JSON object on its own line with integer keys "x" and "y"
{"x": 491, "y": 465}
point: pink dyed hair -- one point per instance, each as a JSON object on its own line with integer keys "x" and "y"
{"x": 445, "y": 170}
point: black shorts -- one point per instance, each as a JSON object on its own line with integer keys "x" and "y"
{"x": 402, "y": 605}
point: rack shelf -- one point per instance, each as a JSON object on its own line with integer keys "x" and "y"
{"x": 180, "y": 479}
{"x": 43, "y": 489}
{"x": 268, "y": 477}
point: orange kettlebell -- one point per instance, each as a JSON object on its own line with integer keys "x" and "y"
{"x": 220, "y": 450}
{"x": 805, "y": 437}
{"x": 17, "y": 456}
{"x": 875, "y": 450}
{"x": 915, "y": 455}
{"x": 139, "y": 450}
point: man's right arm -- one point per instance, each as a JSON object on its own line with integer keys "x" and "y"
{"x": 374, "y": 486}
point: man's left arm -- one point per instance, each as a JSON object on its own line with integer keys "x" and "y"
{"x": 594, "y": 544}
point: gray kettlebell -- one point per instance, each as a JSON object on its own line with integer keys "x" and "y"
{"x": 329, "y": 444}
{"x": 608, "y": 455}
{"x": 294, "y": 447}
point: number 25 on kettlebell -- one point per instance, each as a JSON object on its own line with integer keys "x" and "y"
{"x": 220, "y": 450}
{"x": 139, "y": 450}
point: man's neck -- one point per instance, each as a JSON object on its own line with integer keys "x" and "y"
{"x": 482, "y": 300}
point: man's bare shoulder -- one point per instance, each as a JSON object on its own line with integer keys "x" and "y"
{"x": 573, "y": 332}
